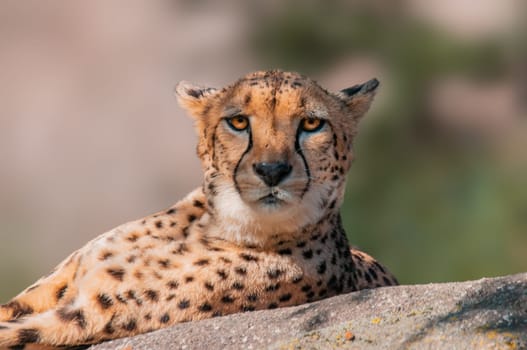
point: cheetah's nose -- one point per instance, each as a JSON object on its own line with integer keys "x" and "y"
{"x": 272, "y": 173}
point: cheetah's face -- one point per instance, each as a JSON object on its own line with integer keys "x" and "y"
{"x": 275, "y": 146}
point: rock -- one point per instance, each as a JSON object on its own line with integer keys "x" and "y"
{"x": 490, "y": 313}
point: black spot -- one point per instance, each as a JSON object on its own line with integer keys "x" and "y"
{"x": 321, "y": 268}
{"x": 116, "y": 272}
{"x": 248, "y": 257}
{"x": 310, "y": 294}
{"x": 386, "y": 281}
{"x": 130, "y": 325}
{"x": 222, "y": 274}
{"x": 133, "y": 237}
{"x": 198, "y": 204}
{"x": 247, "y": 308}
{"x": 148, "y": 316}
{"x": 285, "y": 251}
{"x": 367, "y": 276}
{"x": 272, "y": 287}
{"x": 76, "y": 316}
{"x": 305, "y": 288}
{"x": 195, "y": 93}
{"x": 164, "y": 263}
{"x": 209, "y": 286}
{"x": 108, "y": 328}
{"x": 272, "y": 306}
{"x": 165, "y": 318}
{"x": 332, "y": 204}
{"x": 28, "y": 335}
{"x": 170, "y": 297}
{"x": 372, "y": 273}
{"x": 120, "y": 298}
{"x": 322, "y": 292}
{"x": 240, "y": 270}
{"x": 172, "y": 284}
{"x": 205, "y": 307}
{"x": 285, "y": 297}
{"x": 159, "y": 224}
{"x": 171, "y": 211}
{"x": 106, "y": 255}
{"x": 227, "y": 299}
{"x": 301, "y": 244}
{"x": 307, "y": 254}
{"x": 104, "y": 300}
{"x": 18, "y": 309}
{"x": 131, "y": 259}
{"x": 238, "y": 286}
{"x": 191, "y": 217}
{"x": 183, "y": 304}
{"x": 315, "y": 237}
{"x": 274, "y": 273}
{"x": 182, "y": 248}
{"x": 152, "y": 295}
{"x": 334, "y": 259}
{"x": 189, "y": 279}
{"x": 252, "y": 297}
{"x": 59, "y": 294}
{"x": 201, "y": 262}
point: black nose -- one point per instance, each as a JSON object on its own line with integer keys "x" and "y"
{"x": 272, "y": 173}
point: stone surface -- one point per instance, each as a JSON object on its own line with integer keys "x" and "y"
{"x": 490, "y": 313}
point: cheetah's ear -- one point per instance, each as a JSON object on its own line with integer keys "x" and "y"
{"x": 359, "y": 97}
{"x": 194, "y": 98}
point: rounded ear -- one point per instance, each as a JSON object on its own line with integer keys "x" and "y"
{"x": 193, "y": 98}
{"x": 359, "y": 97}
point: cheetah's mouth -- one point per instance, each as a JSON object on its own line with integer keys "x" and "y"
{"x": 275, "y": 198}
{"x": 270, "y": 199}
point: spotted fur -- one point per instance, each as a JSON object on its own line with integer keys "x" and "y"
{"x": 264, "y": 230}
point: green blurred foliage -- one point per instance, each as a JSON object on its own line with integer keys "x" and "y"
{"x": 431, "y": 204}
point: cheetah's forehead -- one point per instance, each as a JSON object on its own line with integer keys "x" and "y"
{"x": 277, "y": 93}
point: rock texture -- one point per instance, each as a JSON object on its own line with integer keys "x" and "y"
{"x": 490, "y": 313}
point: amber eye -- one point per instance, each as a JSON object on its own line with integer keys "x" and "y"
{"x": 238, "y": 123}
{"x": 311, "y": 124}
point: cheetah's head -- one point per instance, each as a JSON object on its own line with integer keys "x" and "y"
{"x": 275, "y": 148}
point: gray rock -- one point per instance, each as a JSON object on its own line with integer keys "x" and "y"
{"x": 490, "y": 313}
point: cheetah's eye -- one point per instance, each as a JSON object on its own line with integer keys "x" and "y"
{"x": 311, "y": 124}
{"x": 238, "y": 123}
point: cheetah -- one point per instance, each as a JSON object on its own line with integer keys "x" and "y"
{"x": 263, "y": 231}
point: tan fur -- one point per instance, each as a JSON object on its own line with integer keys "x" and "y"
{"x": 224, "y": 248}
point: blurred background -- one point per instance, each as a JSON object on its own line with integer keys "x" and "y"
{"x": 91, "y": 135}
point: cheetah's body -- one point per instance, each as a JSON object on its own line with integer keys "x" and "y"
{"x": 264, "y": 231}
